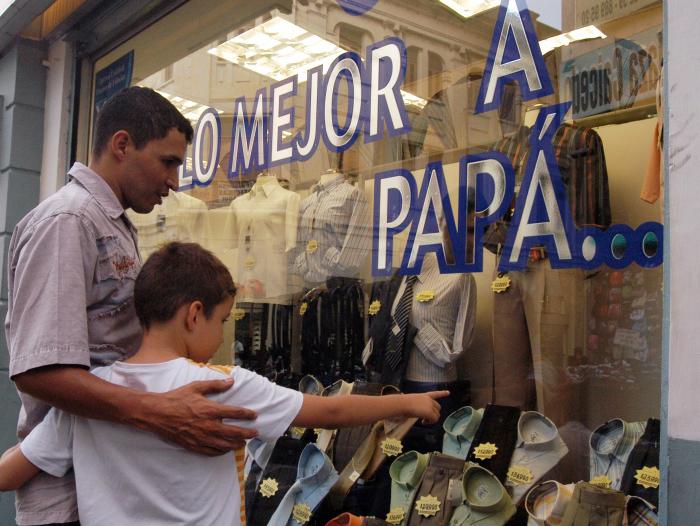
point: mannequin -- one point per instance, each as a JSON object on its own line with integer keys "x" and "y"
{"x": 334, "y": 230}
{"x": 261, "y": 225}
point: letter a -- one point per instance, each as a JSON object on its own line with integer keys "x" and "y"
{"x": 514, "y": 55}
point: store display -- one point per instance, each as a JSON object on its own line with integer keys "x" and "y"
{"x": 642, "y": 477}
{"x": 594, "y": 506}
{"x": 434, "y": 502}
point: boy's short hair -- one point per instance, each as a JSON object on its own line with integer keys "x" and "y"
{"x": 176, "y": 275}
{"x": 144, "y": 113}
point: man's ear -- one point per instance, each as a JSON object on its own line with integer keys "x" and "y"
{"x": 119, "y": 144}
{"x": 195, "y": 312}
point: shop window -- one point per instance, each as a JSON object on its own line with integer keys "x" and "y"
{"x": 535, "y": 235}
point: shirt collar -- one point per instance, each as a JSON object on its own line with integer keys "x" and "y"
{"x": 462, "y": 424}
{"x": 550, "y": 495}
{"x": 314, "y": 466}
{"x": 330, "y": 184}
{"x": 265, "y": 184}
{"x": 475, "y": 476}
{"x": 419, "y": 461}
{"x": 98, "y": 188}
{"x": 429, "y": 267}
{"x": 603, "y": 444}
{"x": 261, "y": 451}
{"x": 536, "y": 431}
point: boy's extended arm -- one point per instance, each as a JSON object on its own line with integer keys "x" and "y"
{"x": 184, "y": 416}
{"x": 15, "y": 469}
{"x": 332, "y": 412}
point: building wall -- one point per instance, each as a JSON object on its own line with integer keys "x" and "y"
{"x": 683, "y": 280}
{"x": 22, "y": 84}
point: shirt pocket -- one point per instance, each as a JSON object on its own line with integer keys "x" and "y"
{"x": 113, "y": 262}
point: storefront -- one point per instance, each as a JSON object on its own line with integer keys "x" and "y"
{"x": 452, "y": 193}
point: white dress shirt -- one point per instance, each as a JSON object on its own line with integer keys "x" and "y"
{"x": 538, "y": 450}
{"x": 262, "y": 225}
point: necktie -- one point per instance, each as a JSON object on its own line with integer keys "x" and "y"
{"x": 393, "y": 354}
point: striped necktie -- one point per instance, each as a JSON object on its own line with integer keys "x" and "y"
{"x": 393, "y": 354}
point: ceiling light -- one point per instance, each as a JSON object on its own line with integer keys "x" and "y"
{"x": 468, "y": 8}
{"x": 577, "y": 35}
{"x": 190, "y": 109}
{"x": 280, "y": 49}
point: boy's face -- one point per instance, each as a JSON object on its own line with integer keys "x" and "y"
{"x": 210, "y": 331}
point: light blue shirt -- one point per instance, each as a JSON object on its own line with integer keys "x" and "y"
{"x": 460, "y": 428}
{"x": 315, "y": 477}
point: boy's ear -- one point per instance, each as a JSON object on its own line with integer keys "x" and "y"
{"x": 195, "y": 311}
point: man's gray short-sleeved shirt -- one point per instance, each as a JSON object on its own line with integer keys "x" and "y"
{"x": 73, "y": 263}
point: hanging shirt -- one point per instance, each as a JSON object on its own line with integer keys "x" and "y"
{"x": 334, "y": 232}
{"x": 262, "y": 226}
{"x": 610, "y": 447}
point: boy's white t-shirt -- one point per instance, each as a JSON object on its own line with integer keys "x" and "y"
{"x": 124, "y": 475}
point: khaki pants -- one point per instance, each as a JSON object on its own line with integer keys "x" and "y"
{"x": 537, "y": 323}
{"x": 594, "y": 506}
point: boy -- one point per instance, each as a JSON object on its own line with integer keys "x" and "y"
{"x": 183, "y": 296}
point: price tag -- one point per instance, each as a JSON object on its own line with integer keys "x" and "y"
{"x": 301, "y": 513}
{"x": 391, "y": 447}
{"x": 269, "y": 487}
{"x": 249, "y": 262}
{"x": 485, "y": 451}
{"x": 501, "y": 283}
{"x": 428, "y": 506}
{"x": 396, "y": 516}
{"x": 238, "y": 314}
{"x": 602, "y": 481}
{"x": 374, "y": 307}
{"x": 520, "y": 475}
{"x": 354, "y": 476}
{"x": 648, "y": 477}
{"x": 303, "y": 308}
{"x": 312, "y": 246}
{"x": 425, "y": 296}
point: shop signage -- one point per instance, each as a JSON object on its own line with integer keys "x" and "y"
{"x": 613, "y": 77}
{"x": 596, "y": 11}
{"x": 374, "y": 108}
{"x": 112, "y": 79}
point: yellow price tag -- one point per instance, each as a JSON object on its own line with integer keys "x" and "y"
{"x": 648, "y": 477}
{"x": 391, "y": 447}
{"x": 238, "y": 314}
{"x": 428, "y": 506}
{"x": 519, "y": 475}
{"x": 301, "y": 513}
{"x": 501, "y": 284}
{"x": 269, "y": 487}
{"x": 303, "y": 308}
{"x": 374, "y": 307}
{"x": 602, "y": 481}
{"x": 425, "y": 296}
{"x": 396, "y": 516}
{"x": 485, "y": 451}
{"x": 312, "y": 246}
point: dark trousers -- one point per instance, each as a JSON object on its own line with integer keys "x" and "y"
{"x": 644, "y": 454}
{"x": 499, "y": 426}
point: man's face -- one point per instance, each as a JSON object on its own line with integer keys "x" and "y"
{"x": 151, "y": 172}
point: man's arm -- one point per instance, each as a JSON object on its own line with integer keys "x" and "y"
{"x": 15, "y": 469}
{"x": 184, "y": 416}
{"x": 332, "y": 412}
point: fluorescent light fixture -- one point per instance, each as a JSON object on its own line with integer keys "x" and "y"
{"x": 5, "y": 5}
{"x": 468, "y": 8}
{"x": 280, "y": 49}
{"x": 583, "y": 33}
{"x": 190, "y": 109}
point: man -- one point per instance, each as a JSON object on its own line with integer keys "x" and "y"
{"x": 73, "y": 262}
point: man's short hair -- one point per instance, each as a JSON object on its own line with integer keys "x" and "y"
{"x": 144, "y": 113}
{"x": 176, "y": 275}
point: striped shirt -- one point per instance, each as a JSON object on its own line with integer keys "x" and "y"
{"x": 581, "y": 160}
{"x": 445, "y": 322}
{"x": 334, "y": 231}
{"x": 610, "y": 447}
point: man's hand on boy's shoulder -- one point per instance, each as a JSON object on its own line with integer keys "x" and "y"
{"x": 187, "y": 417}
